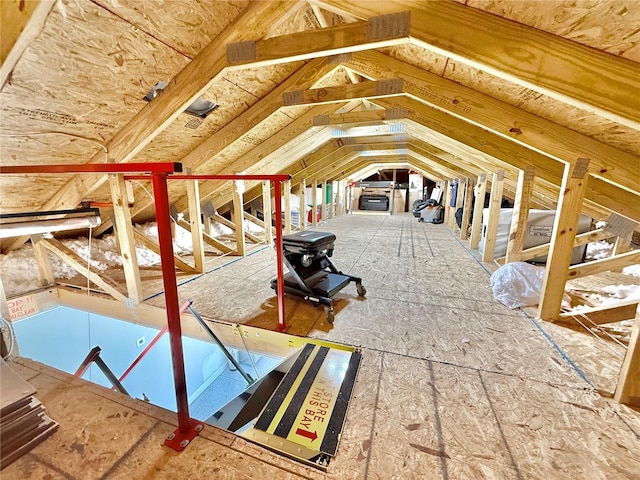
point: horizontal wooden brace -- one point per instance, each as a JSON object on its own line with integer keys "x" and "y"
{"x": 600, "y": 315}
{"x": 606, "y": 264}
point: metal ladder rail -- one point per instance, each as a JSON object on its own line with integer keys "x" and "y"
{"x": 248, "y": 378}
{"x": 94, "y": 356}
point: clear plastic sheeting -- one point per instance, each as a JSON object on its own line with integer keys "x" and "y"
{"x": 518, "y": 284}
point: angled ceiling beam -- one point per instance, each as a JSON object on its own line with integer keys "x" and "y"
{"x": 445, "y": 150}
{"x": 276, "y": 148}
{"x": 22, "y": 22}
{"x": 561, "y": 143}
{"x": 191, "y": 81}
{"x": 595, "y": 189}
{"x": 512, "y": 153}
{"x": 377, "y": 32}
{"x": 183, "y": 89}
{"x": 328, "y": 157}
{"x": 626, "y": 165}
{"x": 546, "y": 193}
{"x": 305, "y": 76}
{"x": 568, "y": 71}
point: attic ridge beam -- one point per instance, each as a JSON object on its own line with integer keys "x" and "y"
{"x": 568, "y": 71}
{"x": 360, "y": 117}
{"x": 377, "y": 32}
{"x": 22, "y": 22}
{"x": 562, "y": 143}
{"x": 363, "y": 90}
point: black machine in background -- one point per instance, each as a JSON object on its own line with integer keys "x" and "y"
{"x": 311, "y": 275}
{"x": 375, "y": 195}
{"x": 378, "y": 203}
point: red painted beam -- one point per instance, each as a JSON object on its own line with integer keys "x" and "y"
{"x": 272, "y": 178}
{"x": 152, "y": 167}
{"x": 187, "y": 428}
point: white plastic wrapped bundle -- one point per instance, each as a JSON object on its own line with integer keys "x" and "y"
{"x": 517, "y": 284}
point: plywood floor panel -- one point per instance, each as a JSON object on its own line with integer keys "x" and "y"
{"x": 452, "y": 385}
{"x": 444, "y": 421}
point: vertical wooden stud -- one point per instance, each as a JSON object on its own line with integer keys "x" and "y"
{"x": 574, "y": 184}
{"x": 238, "y": 216}
{"x": 392, "y": 203}
{"x": 497, "y": 187}
{"x": 124, "y": 232}
{"x": 286, "y": 189}
{"x": 628, "y": 388}
{"x": 332, "y": 203}
{"x": 476, "y": 222}
{"x": 453, "y": 204}
{"x": 520, "y": 218}
{"x": 193, "y": 196}
{"x": 446, "y": 197}
{"x": 266, "y": 211}
{"x": 207, "y": 224}
{"x": 302, "y": 200}
{"x": 466, "y": 210}
{"x": 314, "y": 203}
{"x": 323, "y": 214}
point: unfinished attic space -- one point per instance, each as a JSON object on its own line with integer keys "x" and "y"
{"x": 324, "y": 239}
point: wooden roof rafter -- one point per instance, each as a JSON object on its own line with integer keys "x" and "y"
{"x": 577, "y": 75}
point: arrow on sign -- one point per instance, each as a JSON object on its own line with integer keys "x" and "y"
{"x": 306, "y": 433}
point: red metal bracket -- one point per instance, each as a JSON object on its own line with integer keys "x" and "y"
{"x": 179, "y": 440}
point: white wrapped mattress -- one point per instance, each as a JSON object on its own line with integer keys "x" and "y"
{"x": 539, "y": 230}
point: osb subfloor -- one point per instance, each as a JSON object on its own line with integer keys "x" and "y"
{"x": 453, "y": 385}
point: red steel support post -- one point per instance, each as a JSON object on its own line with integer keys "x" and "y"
{"x": 187, "y": 427}
{"x": 278, "y": 245}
